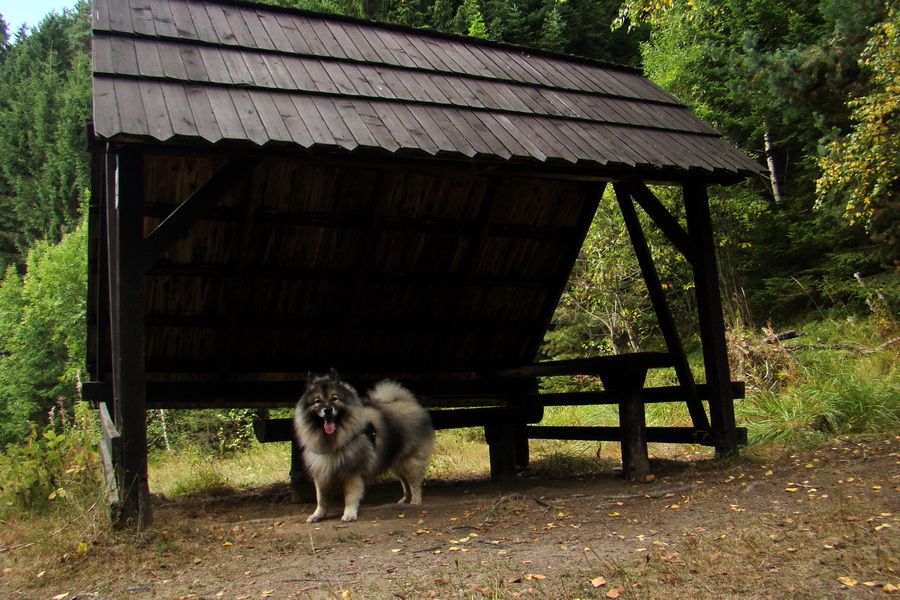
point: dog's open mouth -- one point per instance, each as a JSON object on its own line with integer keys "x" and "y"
{"x": 329, "y": 425}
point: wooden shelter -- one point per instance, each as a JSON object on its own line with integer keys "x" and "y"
{"x": 277, "y": 192}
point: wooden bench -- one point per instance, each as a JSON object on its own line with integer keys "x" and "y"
{"x": 623, "y": 377}
{"x": 510, "y": 418}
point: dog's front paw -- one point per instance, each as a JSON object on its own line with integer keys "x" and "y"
{"x": 349, "y": 517}
{"x": 315, "y": 517}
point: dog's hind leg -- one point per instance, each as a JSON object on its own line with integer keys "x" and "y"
{"x": 354, "y": 488}
{"x": 407, "y": 493}
{"x": 321, "y": 504}
{"x": 410, "y": 477}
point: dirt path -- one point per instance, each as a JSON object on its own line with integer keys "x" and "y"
{"x": 818, "y": 525}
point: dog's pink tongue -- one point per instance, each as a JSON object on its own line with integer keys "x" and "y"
{"x": 329, "y": 427}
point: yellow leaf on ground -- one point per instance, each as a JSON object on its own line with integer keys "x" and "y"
{"x": 598, "y": 582}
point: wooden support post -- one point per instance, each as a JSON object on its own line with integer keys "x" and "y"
{"x": 124, "y": 207}
{"x": 712, "y": 321}
{"x": 300, "y": 484}
{"x": 501, "y": 440}
{"x": 521, "y": 394}
{"x": 632, "y": 421}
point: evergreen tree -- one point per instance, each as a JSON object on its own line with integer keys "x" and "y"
{"x": 553, "y": 30}
{"x": 44, "y": 107}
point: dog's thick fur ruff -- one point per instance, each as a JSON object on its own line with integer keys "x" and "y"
{"x": 347, "y": 440}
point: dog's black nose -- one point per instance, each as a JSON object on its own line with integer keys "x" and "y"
{"x": 327, "y": 411}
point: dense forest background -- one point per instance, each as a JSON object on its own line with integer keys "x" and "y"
{"x": 809, "y": 88}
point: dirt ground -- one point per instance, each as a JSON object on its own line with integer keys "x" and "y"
{"x": 822, "y": 524}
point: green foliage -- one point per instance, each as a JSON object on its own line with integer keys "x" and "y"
{"x": 573, "y": 26}
{"x": 220, "y": 431}
{"x": 863, "y": 168}
{"x": 44, "y": 107}
{"x": 47, "y": 468}
{"x": 42, "y": 334}
{"x": 605, "y": 308}
{"x": 774, "y": 77}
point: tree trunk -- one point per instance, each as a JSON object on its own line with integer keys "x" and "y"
{"x": 770, "y": 162}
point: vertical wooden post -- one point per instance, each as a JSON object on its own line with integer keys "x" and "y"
{"x": 300, "y": 483}
{"x": 712, "y": 321}
{"x": 501, "y": 440}
{"x": 629, "y": 382}
{"x": 124, "y": 204}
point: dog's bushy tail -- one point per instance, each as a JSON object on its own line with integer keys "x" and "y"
{"x": 387, "y": 392}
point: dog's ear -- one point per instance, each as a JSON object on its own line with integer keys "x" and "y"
{"x": 333, "y": 374}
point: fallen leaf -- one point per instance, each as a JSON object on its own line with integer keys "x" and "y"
{"x": 848, "y": 581}
{"x": 598, "y": 582}
{"x": 615, "y": 593}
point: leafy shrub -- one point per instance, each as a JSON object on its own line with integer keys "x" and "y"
{"x": 51, "y": 466}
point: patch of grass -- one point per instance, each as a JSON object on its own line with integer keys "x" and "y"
{"x": 194, "y": 470}
{"x": 839, "y": 387}
{"x": 457, "y": 452}
{"x": 552, "y": 459}
{"x": 189, "y": 472}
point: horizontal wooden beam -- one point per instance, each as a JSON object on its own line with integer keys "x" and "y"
{"x": 282, "y": 430}
{"x": 466, "y": 392}
{"x": 433, "y": 393}
{"x": 634, "y": 361}
{"x": 661, "y": 435}
{"x": 357, "y": 222}
{"x": 651, "y": 395}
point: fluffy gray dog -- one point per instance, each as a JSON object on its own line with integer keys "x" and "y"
{"x": 347, "y": 440}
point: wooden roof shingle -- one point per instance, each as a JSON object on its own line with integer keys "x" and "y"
{"x": 183, "y": 71}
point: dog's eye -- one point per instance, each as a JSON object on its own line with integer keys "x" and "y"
{"x": 317, "y": 400}
{"x": 335, "y": 399}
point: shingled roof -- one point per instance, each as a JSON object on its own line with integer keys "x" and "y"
{"x": 189, "y": 71}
